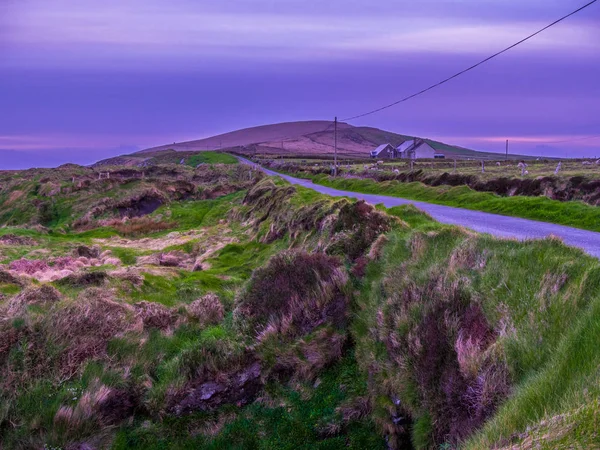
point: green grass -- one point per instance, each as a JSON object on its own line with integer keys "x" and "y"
{"x": 574, "y": 213}
{"x": 211, "y": 158}
{"x": 552, "y": 354}
{"x": 549, "y": 293}
{"x": 197, "y": 214}
{"x": 295, "y": 424}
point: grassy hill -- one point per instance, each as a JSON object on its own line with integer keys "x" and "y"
{"x": 309, "y": 139}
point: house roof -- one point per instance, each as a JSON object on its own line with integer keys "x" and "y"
{"x": 379, "y": 149}
{"x": 405, "y": 145}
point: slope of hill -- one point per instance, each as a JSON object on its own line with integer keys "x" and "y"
{"x": 311, "y": 138}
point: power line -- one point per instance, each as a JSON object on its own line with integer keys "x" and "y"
{"x": 573, "y": 140}
{"x": 473, "y": 66}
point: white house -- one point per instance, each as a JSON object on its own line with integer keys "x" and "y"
{"x": 415, "y": 149}
{"x": 386, "y": 151}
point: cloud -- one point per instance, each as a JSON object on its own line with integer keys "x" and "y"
{"x": 92, "y": 32}
{"x": 53, "y": 141}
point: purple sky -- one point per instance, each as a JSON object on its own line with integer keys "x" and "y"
{"x": 81, "y": 80}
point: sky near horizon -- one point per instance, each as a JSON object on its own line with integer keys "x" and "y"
{"x": 81, "y": 80}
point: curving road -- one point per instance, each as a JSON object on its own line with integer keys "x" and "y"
{"x": 494, "y": 224}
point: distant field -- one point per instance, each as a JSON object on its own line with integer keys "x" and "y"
{"x": 211, "y": 158}
{"x": 169, "y": 157}
{"x": 496, "y": 169}
{"x": 491, "y": 169}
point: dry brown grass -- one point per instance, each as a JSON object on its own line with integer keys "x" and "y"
{"x": 155, "y": 315}
{"x": 13, "y": 197}
{"x": 12, "y": 239}
{"x": 158, "y": 243}
{"x": 139, "y": 226}
{"x": 377, "y": 247}
{"x": 355, "y": 409}
{"x": 308, "y": 356}
{"x": 85, "y": 326}
{"x": 466, "y": 256}
{"x": 98, "y": 407}
{"x": 32, "y": 296}
{"x": 208, "y": 310}
{"x": 128, "y": 274}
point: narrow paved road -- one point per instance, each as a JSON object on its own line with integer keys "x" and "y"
{"x": 497, "y": 225}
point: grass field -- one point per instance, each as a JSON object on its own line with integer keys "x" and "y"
{"x": 574, "y": 213}
{"x": 492, "y": 169}
{"x": 371, "y": 327}
{"x": 211, "y": 158}
{"x": 497, "y": 169}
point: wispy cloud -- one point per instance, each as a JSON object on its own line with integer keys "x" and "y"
{"x": 68, "y": 30}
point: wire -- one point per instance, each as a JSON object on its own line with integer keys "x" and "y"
{"x": 573, "y": 140}
{"x": 472, "y": 67}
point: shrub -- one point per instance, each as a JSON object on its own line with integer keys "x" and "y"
{"x": 154, "y": 315}
{"x": 298, "y": 289}
{"x": 85, "y": 279}
{"x": 445, "y": 336}
{"x": 85, "y": 326}
{"x": 32, "y": 296}
{"x": 88, "y": 252}
{"x": 358, "y": 226}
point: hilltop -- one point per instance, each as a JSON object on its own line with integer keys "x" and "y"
{"x": 297, "y": 139}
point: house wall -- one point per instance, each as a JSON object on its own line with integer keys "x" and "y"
{"x": 424, "y": 151}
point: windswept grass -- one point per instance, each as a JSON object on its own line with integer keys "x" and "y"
{"x": 366, "y": 322}
{"x": 542, "y": 300}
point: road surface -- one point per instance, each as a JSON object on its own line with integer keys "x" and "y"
{"x": 494, "y": 224}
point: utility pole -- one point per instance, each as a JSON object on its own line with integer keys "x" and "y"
{"x": 335, "y": 147}
{"x": 506, "y": 159}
